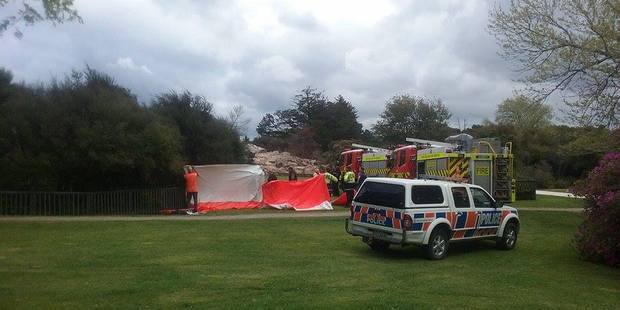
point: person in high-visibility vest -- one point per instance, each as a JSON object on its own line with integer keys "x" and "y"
{"x": 329, "y": 178}
{"x": 349, "y": 184}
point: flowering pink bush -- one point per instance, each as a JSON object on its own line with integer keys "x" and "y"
{"x": 598, "y": 237}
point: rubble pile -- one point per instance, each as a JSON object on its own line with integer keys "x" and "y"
{"x": 278, "y": 162}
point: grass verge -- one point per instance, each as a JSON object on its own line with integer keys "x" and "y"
{"x": 543, "y": 201}
{"x": 292, "y": 263}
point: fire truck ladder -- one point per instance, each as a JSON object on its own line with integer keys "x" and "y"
{"x": 503, "y": 178}
{"x": 370, "y": 148}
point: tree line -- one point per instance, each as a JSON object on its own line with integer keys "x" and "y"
{"x": 86, "y": 132}
{"x": 554, "y": 155}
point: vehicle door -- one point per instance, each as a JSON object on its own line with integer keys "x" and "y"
{"x": 429, "y": 203}
{"x": 488, "y": 215}
{"x": 464, "y": 218}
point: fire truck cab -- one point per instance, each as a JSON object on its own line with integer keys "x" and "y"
{"x": 403, "y": 162}
{"x": 350, "y": 158}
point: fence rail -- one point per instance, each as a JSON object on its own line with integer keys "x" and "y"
{"x": 123, "y": 202}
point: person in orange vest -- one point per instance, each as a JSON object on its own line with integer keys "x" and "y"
{"x": 191, "y": 187}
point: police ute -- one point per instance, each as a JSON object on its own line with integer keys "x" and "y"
{"x": 430, "y": 214}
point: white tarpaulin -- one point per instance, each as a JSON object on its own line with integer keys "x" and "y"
{"x": 229, "y": 186}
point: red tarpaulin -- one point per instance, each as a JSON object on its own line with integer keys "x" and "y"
{"x": 342, "y": 199}
{"x": 306, "y": 195}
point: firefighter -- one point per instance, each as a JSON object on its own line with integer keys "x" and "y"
{"x": 329, "y": 179}
{"x": 336, "y": 185}
{"x": 349, "y": 185}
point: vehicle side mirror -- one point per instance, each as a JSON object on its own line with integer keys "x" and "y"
{"x": 497, "y": 204}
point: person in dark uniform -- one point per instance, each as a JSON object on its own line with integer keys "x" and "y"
{"x": 292, "y": 175}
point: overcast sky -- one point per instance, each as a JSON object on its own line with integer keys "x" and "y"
{"x": 260, "y": 53}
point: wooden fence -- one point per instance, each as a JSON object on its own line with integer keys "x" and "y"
{"x": 122, "y": 202}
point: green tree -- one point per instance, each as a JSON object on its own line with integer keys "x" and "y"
{"x": 279, "y": 124}
{"x": 31, "y": 12}
{"x": 207, "y": 139}
{"x": 310, "y": 104}
{"x": 570, "y": 47}
{"x": 407, "y": 116}
{"x": 337, "y": 120}
{"x": 325, "y": 121}
{"x": 84, "y": 133}
{"x": 523, "y": 113}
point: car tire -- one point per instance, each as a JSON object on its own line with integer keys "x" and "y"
{"x": 508, "y": 240}
{"x": 378, "y": 245}
{"x": 438, "y": 243}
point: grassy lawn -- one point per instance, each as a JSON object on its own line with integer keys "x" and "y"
{"x": 549, "y": 202}
{"x": 288, "y": 263}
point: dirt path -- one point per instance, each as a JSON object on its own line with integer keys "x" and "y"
{"x": 253, "y": 216}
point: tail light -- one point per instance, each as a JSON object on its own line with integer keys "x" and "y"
{"x": 407, "y": 222}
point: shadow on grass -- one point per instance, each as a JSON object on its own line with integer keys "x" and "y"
{"x": 413, "y": 252}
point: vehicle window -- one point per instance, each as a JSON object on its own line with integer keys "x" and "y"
{"x": 382, "y": 194}
{"x": 481, "y": 198}
{"x": 426, "y": 194}
{"x": 402, "y": 157}
{"x": 461, "y": 198}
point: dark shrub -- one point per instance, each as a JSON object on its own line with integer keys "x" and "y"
{"x": 598, "y": 237}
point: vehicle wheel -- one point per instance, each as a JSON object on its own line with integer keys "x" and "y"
{"x": 378, "y": 245}
{"x": 437, "y": 246}
{"x": 508, "y": 240}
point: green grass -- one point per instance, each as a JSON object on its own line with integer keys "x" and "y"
{"x": 549, "y": 202}
{"x": 292, "y": 263}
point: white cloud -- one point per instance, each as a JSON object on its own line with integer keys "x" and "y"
{"x": 279, "y": 69}
{"x": 128, "y": 64}
{"x": 260, "y": 53}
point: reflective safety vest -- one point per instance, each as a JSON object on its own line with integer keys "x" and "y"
{"x": 349, "y": 177}
{"x": 330, "y": 178}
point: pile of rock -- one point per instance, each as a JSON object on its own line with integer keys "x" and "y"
{"x": 278, "y": 162}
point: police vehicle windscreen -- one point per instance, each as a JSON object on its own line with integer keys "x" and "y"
{"x": 382, "y": 194}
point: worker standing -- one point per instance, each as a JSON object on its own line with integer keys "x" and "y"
{"x": 292, "y": 175}
{"x": 349, "y": 185}
{"x": 335, "y": 185}
{"x": 329, "y": 179}
{"x": 191, "y": 188}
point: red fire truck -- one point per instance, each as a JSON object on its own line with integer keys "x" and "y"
{"x": 461, "y": 158}
{"x": 378, "y": 162}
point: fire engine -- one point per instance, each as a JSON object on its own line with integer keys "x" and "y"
{"x": 461, "y": 158}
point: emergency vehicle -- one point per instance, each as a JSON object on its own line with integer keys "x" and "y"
{"x": 429, "y": 213}
{"x": 483, "y": 162}
{"x": 379, "y": 162}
